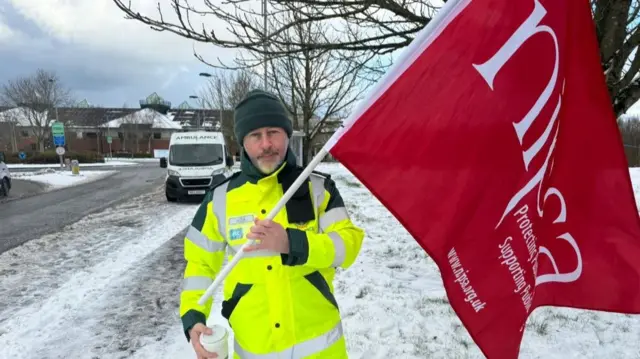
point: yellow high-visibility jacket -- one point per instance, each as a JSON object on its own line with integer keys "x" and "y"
{"x": 278, "y": 305}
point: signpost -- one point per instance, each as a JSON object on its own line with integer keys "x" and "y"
{"x": 57, "y": 130}
{"x": 109, "y": 140}
{"x": 22, "y": 155}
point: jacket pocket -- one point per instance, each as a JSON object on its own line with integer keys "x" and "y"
{"x": 317, "y": 280}
{"x": 230, "y": 304}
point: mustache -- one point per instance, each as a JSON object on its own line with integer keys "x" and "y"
{"x": 269, "y": 152}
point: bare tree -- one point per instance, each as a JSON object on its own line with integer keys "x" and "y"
{"x": 144, "y": 127}
{"x": 224, "y": 90}
{"x": 34, "y": 96}
{"x": 8, "y": 126}
{"x": 381, "y": 27}
{"x": 71, "y": 117}
{"x": 136, "y": 127}
{"x": 618, "y": 32}
{"x": 630, "y": 130}
{"x": 315, "y": 85}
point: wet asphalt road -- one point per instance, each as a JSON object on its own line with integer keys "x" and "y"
{"x": 21, "y": 188}
{"x": 27, "y": 218}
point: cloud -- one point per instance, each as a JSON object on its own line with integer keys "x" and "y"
{"x": 100, "y": 25}
{"x": 98, "y": 53}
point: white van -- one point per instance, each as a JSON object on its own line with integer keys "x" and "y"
{"x": 5, "y": 178}
{"x": 197, "y": 161}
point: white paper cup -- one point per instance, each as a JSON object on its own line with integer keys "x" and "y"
{"x": 216, "y": 342}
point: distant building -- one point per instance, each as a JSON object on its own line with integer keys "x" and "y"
{"x": 132, "y": 130}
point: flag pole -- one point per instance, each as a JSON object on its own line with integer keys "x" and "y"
{"x": 396, "y": 70}
{"x": 241, "y": 253}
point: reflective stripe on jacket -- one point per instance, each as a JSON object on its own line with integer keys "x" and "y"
{"x": 278, "y": 305}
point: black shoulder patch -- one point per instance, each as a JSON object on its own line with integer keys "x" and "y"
{"x": 237, "y": 179}
{"x": 217, "y": 181}
{"x": 299, "y": 207}
{"x": 325, "y": 175}
{"x": 335, "y": 199}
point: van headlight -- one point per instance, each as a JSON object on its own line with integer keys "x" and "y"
{"x": 173, "y": 173}
{"x": 219, "y": 171}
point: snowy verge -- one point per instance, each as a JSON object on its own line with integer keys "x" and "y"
{"x": 634, "y": 172}
{"x": 58, "y": 289}
{"x": 60, "y": 179}
{"x": 131, "y": 160}
{"x": 57, "y": 166}
{"x": 394, "y": 305}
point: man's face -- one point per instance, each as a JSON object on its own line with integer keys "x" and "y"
{"x": 266, "y": 147}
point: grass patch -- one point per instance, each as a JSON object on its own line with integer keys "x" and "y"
{"x": 541, "y": 327}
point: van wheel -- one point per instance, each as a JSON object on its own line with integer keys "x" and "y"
{"x": 4, "y": 188}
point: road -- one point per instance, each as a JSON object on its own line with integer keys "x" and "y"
{"x": 85, "y": 166}
{"x": 28, "y": 218}
{"x": 21, "y": 188}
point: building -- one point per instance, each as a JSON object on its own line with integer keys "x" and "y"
{"x": 100, "y": 129}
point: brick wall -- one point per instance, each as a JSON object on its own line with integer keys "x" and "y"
{"x": 96, "y": 144}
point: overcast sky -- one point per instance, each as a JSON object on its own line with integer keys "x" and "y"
{"x": 97, "y": 53}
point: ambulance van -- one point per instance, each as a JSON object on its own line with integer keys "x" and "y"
{"x": 196, "y": 162}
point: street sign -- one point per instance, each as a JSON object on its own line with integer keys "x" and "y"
{"x": 60, "y": 151}
{"x": 57, "y": 130}
{"x": 109, "y": 139}
{"x": 22, "y": 156}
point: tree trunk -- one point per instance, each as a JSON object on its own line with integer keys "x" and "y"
{"x": 67, "y": 139}
{"x": 306, "y": 151}
{"x": 14, "y": 139}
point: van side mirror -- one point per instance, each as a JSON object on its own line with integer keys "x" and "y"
{"x": 163, "y": 162}
{"x": 229, "y": 161}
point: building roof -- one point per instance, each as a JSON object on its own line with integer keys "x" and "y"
{"x": 23, "y": 116}
{"x": 146, "y": 116}
{"x": 189, "y": 118}
{"x": 79, "y": 116}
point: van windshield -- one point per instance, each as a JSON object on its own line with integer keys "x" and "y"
{"x": 196, "y": 154}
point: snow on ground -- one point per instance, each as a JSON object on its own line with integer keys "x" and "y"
{"x": 394, "y": 304}
{"x": 107, "y": 287}
{"x": 635, "y": 181}
{"x": 98, "y": 164}
{"x": 130, "y": 160}
{"x": 53, "y": 179}
{"x": 60, "y": 293}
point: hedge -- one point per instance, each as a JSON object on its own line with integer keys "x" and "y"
{"x": 123, "y": 154}
{"x": 51, "y": 157}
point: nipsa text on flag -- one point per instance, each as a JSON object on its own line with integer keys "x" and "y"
{"x": 489, "y": 71}
{"x": 460, "y": 273}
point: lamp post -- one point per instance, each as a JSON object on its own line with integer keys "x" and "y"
{"x": 198, "y": 116}
{"x": 264, "y": 19}
{"x": 206, "y": 74}
{"x": 52, "y": 81}
{"x": 55, "y": 107}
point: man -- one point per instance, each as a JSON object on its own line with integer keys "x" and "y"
{"x": 279, "y": 298}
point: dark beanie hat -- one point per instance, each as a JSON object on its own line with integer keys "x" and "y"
{"x": 260, "y": 109}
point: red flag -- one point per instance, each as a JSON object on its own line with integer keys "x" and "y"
{"x": 493, "y": 141}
